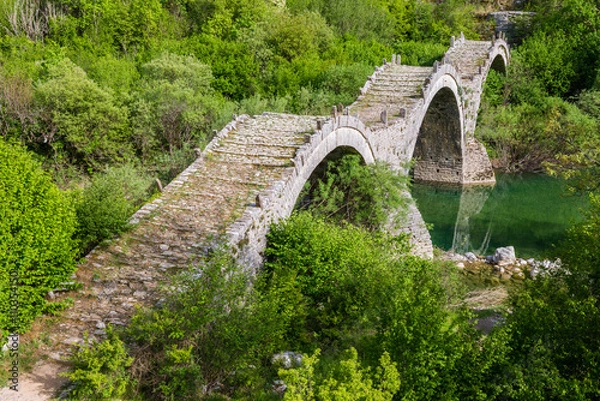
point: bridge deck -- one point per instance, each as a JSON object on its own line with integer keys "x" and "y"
{"x": 399, "y": 86}
{"x": 468, "y": 57}
{"x": 183, "y": 222}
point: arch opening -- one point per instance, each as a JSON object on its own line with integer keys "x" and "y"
{"x": 305, "y": 197}
{"x": 499, "y": 65}
{"x": 438, "y": 150}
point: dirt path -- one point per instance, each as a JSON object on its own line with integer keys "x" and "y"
{"x": 41, "y": 384}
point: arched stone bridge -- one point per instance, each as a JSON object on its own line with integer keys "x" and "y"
{"x": 253, "y": 171}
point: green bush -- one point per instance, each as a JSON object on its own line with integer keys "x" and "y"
{"x": 37, "y": 253}
{"x": 343, "y": 380}
{"x": 364, "y": 19}
{"x": 213, "y": 335}
{"x": 100, "y": 370}
{"x": 328, "y": 274}
{"x": 362, "y": 195}
{"x": 80, "y": 121}
{"x": 429, "y": 341}
{"x": 526, "y": 137}
{"x": 174, "y": 104}
{"x": 542, "y": 66}
{"x": 108, "y": 202}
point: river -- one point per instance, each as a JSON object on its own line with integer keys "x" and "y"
{"x": 529, "y": 211}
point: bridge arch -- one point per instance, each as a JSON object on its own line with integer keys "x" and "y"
{"x": 500, "y": 56}
{"x": 247, "y": 236}
{"x": 439, "y": 147}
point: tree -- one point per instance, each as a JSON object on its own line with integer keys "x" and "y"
{"x": 174, "y": 104}
{"x": 81, "y": 121}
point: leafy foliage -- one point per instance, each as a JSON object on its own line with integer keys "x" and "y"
{"x": 99, "y": 371}
{"x": 330, "y": 282}
{"x": 212, "y": 330}
{"x": 361, "y": 195}
{"x": 346, "y": 381}
{"x": 107, "y": 203}
{"x": 36, "y": 249}
{"x": 82, "y": 122}
{"x": 174, "y": 104}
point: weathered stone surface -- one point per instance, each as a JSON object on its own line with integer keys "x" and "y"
{"x": 505, "y": 256}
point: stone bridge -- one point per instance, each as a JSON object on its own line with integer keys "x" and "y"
{"x": 252, "y": 172}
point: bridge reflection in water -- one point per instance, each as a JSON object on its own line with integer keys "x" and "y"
{"x": 472, "y": 200}
{"x": 528, "y": 211}
{"x": 449, "y": 208}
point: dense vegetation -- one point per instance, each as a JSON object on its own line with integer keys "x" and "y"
{"x": 106, "y": 96}
{"x": 371, "y": 322}
{"x": 545, "y": 112}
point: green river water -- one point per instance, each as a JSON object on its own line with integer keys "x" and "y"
{"x": 529, "y": 211}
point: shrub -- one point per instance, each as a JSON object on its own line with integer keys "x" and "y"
{"x": 343, "y": 379}
{"x": 100, "y": 370}
{"x": 428, "y": 340}
{"x": 107, "y": 203}
{"x": 36, "y": 250}
{"x": 329, "y": 275}
{"x": 81, "y": 123}
{"x": 362, "y": 195}
{"x": 212, "y": 335}
{"x": 174, "y": 104}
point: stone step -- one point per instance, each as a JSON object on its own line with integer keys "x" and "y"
{"x": 257, "y": 150}
{"x": 380, "y": 96}
{"x": 396, "y": 88}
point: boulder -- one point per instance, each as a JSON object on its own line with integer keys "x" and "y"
{"x": 287, "y": 359}
{"x": 471, "y": 257}
{"x": 505, "y": 256}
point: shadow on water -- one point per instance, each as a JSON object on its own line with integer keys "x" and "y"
{"x": 529, "y": 211}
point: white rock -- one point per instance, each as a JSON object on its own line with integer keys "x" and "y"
{"x": 505, "y": 256}
{"x": 287, "y": 359}
{"x": 460, "y": 265}
{"x": 471, "y": 256}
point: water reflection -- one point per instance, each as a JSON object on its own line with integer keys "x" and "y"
{"x": 472, "y": 200}
{"x": 527, "y": 211}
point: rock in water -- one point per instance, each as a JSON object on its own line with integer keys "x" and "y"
{"x": 505, "y": 256}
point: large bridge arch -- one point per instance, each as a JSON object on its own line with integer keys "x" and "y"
{"x": 499, "y": 55}
{"x": 439, "y": 147}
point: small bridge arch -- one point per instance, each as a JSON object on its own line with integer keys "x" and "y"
{"x": 248, "y": 239}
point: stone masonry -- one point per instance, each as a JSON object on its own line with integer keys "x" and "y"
{"x": 252, "y": 172}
